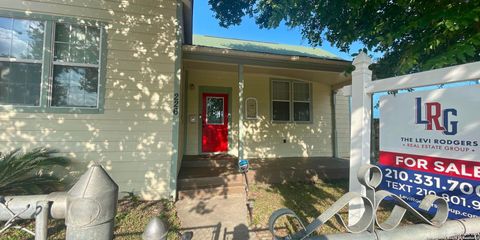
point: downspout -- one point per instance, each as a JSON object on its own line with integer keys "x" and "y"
{"x": 333, "y": 103}
{"x": 186, "y": 120}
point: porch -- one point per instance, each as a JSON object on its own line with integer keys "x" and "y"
{"x": 278, "y": 109}
{"x": 210, "y": 176}
{"x": 256, "y": 111}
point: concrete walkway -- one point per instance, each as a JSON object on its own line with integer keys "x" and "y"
{"x": 211, "y": 192}
{"x": 216, "y": 218}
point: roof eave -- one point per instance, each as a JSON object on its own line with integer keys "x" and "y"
{"x": 195, "y": 50}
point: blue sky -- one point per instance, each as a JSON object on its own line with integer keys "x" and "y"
{"x": 204, "y": 23}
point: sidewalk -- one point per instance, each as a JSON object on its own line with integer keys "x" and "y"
{"x": 217, "y": 218}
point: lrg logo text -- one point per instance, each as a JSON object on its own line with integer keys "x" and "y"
{"x": 435, "y": 117}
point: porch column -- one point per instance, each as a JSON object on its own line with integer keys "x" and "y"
{"x": 241, "y": 129}
{"x": 333, "y": 106}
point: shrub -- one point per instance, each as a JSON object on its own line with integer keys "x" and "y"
{"x": 30, "y": 172}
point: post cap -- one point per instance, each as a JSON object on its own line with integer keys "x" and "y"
{"x": 95, "y": 180}
{"x": 92, "y": 200}
{"x": 362, "y": 58}
{"x": 155, "y": 230}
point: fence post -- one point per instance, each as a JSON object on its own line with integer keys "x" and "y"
{"x": 361, "y": 106}
{"x": 88, "y": 208}
{"x": 91, "y": 206}
{"x": 41, "y": 220}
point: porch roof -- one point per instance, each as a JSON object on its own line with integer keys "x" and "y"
{"x": 263, "y": 47}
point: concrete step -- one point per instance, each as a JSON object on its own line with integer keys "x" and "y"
{"x": 197, "y": 172}
{"x": 232, "y": 180}
{"x": 210, "y": 163}
{"x": 209, "y": 193}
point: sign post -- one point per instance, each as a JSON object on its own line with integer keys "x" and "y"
{"x": 360, "y": 129}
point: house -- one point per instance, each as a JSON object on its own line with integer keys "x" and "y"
{"x": 119, "y": 82}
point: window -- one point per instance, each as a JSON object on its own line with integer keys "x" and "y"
{"x": 51, "y": 64}
{"x": 281, "y": 101}
{"x": 75, "y": 66}
{"x": 215, "y": 111}
{"x": 21, "y": 59}
{"x": 301, "y": 102}
{"x": 291, "y": 101}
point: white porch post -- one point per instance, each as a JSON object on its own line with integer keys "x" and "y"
{"x": 241, "y": 129}
{"x": 360, "y": 128}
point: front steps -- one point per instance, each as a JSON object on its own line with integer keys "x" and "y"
{"x": 205, "y": 178}
{"x": 226, "y": 164}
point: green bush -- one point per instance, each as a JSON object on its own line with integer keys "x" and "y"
{"x": 30, "y": 172}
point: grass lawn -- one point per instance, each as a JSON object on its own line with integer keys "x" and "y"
{"x": 308, "y": 201}
{"x": 130, "y": 221}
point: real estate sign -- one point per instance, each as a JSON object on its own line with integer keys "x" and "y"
{"x": 430, "y": 144}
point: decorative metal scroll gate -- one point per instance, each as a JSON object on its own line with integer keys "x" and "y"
{"x": 370, "y": 176}
{"x": 371, "y": 204}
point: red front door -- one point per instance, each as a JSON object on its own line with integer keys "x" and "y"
{"x": 215, "y": 122}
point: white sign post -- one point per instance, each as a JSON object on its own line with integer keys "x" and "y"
{"x": 360, "y": 128}
{"x": 361, "y": 92}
